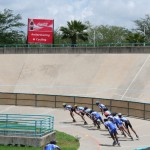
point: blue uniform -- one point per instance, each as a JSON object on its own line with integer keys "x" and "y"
{"x": 96, "y": 115}
{"x": 110, "y": 118}
{"x": 103, "y": 107}
{"x": 93, "y": 113}
{"x": 51, "y": 147}
{"x": 111, "y": 127}
{"x": 117, "y": 121}
{"x": 80, "y": 108}
{"x": 87, "y": 111}
{"x": 68, "y": 107}
{"x": 126, "y": 121}
{"x": 123, "y": 119}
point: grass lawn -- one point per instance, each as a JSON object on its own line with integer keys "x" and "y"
{"x": 65, "y": 141}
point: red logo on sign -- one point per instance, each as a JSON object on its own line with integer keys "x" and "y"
{"x": 40, "y": 31}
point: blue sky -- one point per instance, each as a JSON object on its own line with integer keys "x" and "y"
{"x": 98, "y": 12}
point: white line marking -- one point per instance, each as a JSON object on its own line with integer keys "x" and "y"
{"x": 6, "y": 109}
{"x": 128, "y": 97}
{"x": 135, "y": 76}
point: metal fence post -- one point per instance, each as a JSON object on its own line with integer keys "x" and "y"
{"x": 36, "y": 100}
{"x": 144, "y": 111}
{"x": 41, "y": 127}
{"x": 55, "y": 101}
{"x": 110, "y": 104}
{"x": 16, "y": 100}
{"x": 92, "y": 104}
{"x": 5, "y": 131}
{"x": 128, "y": 108}
{"x": 74, "y": 100}
{"x": 35, "y": 128}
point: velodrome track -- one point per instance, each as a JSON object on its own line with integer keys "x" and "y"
{"x": 117, "y": 76}
{"x": 90, "y": 137}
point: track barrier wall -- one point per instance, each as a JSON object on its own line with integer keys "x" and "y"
{"x": 75, "y": 50}
{"x": 128, "y": 108}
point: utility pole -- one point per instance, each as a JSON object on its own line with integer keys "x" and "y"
{"x": 144, "y": 30}
{"x": 94, "y": 38}
{"x": 144, "y": 34}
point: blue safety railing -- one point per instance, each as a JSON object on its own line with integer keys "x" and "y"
{"x": 26, "y": 125}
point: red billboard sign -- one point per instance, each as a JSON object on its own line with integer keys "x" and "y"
{"x": 40, "y": 31}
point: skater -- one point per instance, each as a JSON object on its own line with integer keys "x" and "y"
{"x": 112, "y": 131}
{"x": 127, "y": 124}
{"x": 71, "y": 110}
{"x": 102, "y": 107}
{"x": 80, "y": 111}
{"x": 97, "y": 119}
{"x": 52, "y": 146}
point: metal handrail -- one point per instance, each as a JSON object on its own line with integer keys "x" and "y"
{"x": 26, "y": 125}
{"x": 120, "y": 44}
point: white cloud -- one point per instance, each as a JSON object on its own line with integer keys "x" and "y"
{"x": 98, "y": 12}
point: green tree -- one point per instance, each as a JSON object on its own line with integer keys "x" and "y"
{"x": 74, "y": 31}
{"x": 58, "y": 40}
{"x": 135, "y": 38}
{"x": 107, "y": 34}
{"x": 10, "y": 28}
{"x": 143, "y": 26}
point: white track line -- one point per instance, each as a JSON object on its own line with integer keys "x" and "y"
{"x": 6, "y": 109}
{"x": 135, "y": 76}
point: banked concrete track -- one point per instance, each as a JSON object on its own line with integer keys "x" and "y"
{"x": 117, "y": 76}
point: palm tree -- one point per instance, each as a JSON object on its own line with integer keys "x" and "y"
{"x": 75, "y": 30}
